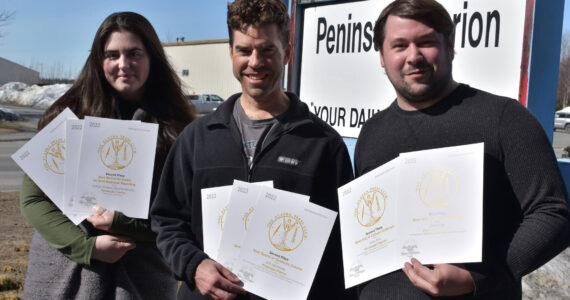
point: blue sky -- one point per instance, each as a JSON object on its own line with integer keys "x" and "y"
{"x": 60, "y": 32}
{"x": 54, "y": 34}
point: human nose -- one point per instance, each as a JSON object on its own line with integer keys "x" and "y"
{"x": 255, "y": 59}
{"x": 414, "y": 54}
{"x": 123, "y": 62}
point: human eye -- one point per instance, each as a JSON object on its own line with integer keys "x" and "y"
{"x": 111, "y": 54}
{"x": 244, "y": 51}
{"x": 269, "y": 50}
{"x": 399, "y": 46}
{"x": 429, "y": 40}
{"x": 136, "y": 54}
{"x": 428, "y": 43}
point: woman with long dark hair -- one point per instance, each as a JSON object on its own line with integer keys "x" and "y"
{"x": 109, "y": 256}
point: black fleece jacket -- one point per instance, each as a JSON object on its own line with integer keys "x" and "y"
{"x": 209, "y": 153}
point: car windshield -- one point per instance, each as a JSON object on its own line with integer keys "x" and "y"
{"x": 193, "y": 97}
{"x": 216, "y": 98}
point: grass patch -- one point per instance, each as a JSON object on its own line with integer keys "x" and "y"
{"x": 10, "y": 296}
{"x": 7, "y": 283}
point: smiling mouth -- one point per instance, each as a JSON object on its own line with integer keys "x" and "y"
{"x": 417, "y": 72}
{"x": 124, "y": 77}
{"x": 256, "y": 76}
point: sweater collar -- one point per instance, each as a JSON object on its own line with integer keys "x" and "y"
{"x": 454, "y": 96}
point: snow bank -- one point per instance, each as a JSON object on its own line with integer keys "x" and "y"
{"x": 19, "y": 93}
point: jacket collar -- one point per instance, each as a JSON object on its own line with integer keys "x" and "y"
{"x": 297, "y": 114}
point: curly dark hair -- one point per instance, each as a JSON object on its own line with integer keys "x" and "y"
{"x": 244, "y": 13}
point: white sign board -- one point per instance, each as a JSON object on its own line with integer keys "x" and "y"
{"x": 344, "y": 84}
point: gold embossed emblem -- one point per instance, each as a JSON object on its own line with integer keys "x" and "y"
{"x": 437, "y": 187}
{"x": 117, "y": 152}
{"x": 246, "y": 216}
{"x": 371, "y": 206}
{"x": 221, "y": 217}
{"x": 286, "y": 232}
{"x": 54, "y": 156}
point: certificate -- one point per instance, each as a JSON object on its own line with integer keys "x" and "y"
{"x": 73, "y": 138}
{"x": 368, "y": 207}
{"x": 73, "y": 135}
{"x": 424, "y": 204}
{"x": 442, "y": 193}
{"x": 43, "y": 157}
{"x": 215, "y": 203}
{"x": 116, "y": 166}
{"x": 284, "y": 244}
{"x": 241, "y": 208}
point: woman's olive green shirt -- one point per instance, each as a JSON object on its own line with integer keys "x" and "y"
{"x": 63, "y": 235}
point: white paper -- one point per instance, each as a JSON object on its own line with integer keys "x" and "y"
{"x": 368, "y": 207}
{"x": 116, "y": 166}
{"x": 433, "y": 211}
{"x": 215, "y": 203}
{"x": 42, "y": 158}
{"x": 240, "y": 210}
{"x": 442, "y": 193}
{"x": 73, "y": 134}
{"x": 285, "y": 241}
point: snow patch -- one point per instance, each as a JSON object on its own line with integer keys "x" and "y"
{"x": 18, "y": 93}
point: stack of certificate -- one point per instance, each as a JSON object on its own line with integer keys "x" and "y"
{"x": 95, "y": 161}
{"x": 425, "y": 204}
{"x": 271, "y": 239}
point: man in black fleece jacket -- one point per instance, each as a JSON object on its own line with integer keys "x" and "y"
{"x": 526, "y": 220}
{"x": 258, "y": 135}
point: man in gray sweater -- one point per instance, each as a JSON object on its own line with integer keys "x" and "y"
{"x": 526, "y": 219}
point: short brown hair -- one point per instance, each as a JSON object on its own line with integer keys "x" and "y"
{"x": 244, "y": 13}
{"x": 429, "y": 12}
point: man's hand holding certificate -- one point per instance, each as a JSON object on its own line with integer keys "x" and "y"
{"x": 272, "y": 239}
{"x": 424, "y": 204}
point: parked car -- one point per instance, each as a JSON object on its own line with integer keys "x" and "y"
{"x": 562, "y": 120}
{"x": 205, "y": 103}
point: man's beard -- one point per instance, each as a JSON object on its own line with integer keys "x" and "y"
{"x": 435, "y": 86}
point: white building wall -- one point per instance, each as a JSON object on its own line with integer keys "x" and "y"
{"x": 209, "y": 67}
{"x": 10, "y": 72}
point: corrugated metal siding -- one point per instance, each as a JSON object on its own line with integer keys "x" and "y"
{"x": 209, "y": 68}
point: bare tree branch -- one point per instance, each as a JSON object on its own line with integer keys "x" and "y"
{"x": 5, "y": 18}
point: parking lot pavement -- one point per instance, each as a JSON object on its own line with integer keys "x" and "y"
{"x": 10, "y": 173}
{"x": 14, "y": 134}
{"x": 560, "y": 140}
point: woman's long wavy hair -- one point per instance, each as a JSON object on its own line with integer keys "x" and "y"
{"x": 92, "y": 95}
